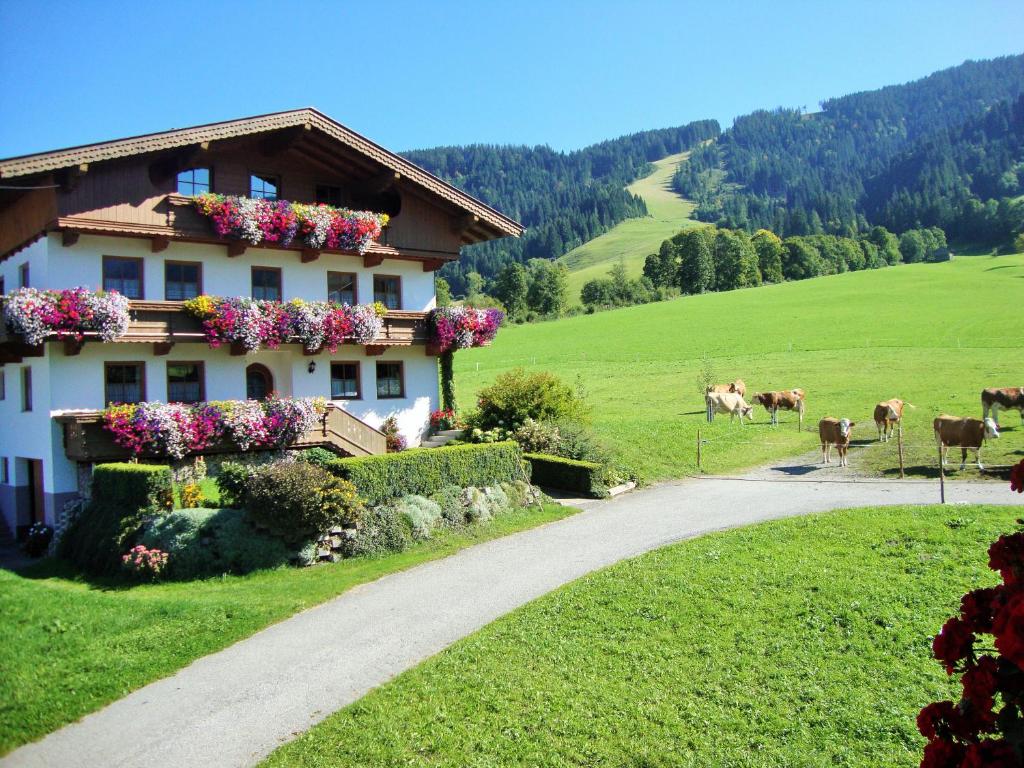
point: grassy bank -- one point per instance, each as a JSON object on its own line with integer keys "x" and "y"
{"x": 800, "y": 642}
{"x": 932, "y": 334}
{"x": 70, "y": 647}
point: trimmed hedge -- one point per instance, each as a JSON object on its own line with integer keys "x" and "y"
{"x": 122, "y": 496}
{"x": 584, "y": 477}
{"x": 425, "y": 471}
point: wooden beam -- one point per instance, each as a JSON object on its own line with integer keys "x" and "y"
{"x": 237, "y": 350}
{"x": 68, "y": 178}
{"x": 432, "y": 350}
{"x": 9, "y": 357}
{"x": 236, "y": 248}
{"x": 374, "y": 350}
{"x": 309, "y": 254}
{"x": 461, "y": 223}
{"x": 311, "y": 352}
{"x": 69, "y": 237}
{"x": 376, "y": 184}
{"x": 432, "y": 265}
{"x": 161, "y": 348}
{"x": 73, "y": 347}
{"x": 372, "y": 260}
{"x": 165, "y": 167}
{"x": 279, "y": 142}
{"x": 159, "y": 243}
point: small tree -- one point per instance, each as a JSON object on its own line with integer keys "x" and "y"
{"x": 707, "y": 376}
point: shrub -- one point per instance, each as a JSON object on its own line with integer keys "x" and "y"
{"x": 516, "y": 396}
{"x": 421, "y": 514}
{"x": 518, "y": 493}
{"x": 123, "y": 495}
{"x": 144, "y": 564}
{"x": 576, "y": 441}
{"x": 381, "y": 530}
{"x": 209, "y": 542}
{"x": 191, "y": 496}
{"x": 585, "y": 477}
{"x": 394, "y": 439}
{"x": 232, "y": 481}
{"x": 320, "y": 457}
{"x": 449, "y": 499}
{"x": 476, "y": 505}
{"x": 299, "y": 501}
{"x": 38, "y": 540}
{"x": 538, "y": 437}
{"x": 424, "y": 472}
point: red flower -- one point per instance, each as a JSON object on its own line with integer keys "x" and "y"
{"x": 942, "y": 753}
{"x": 992, "y": 753}
{"x": 1008, "y": 627}
{"x": 936, "y": 719}
{"x": 1006, "y": 555}
{"x": 978, "y": 608}
{"x": 954, "y": 643}
{"x": 1017, "y": 477}
{"x": 980, "y": 682}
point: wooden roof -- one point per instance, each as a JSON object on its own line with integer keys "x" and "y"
{"x": 44, "y": 162}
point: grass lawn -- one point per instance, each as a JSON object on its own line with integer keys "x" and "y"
{"x": 69, "y": 647}
{"x": 804, "y": 642}
{"x": 633, "y": 239}
{"x": 932, "y": 334}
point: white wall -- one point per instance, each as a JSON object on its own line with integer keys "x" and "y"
{"x": 81, "y": 264}
{"x": 35, "y": 256}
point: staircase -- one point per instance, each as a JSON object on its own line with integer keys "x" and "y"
{"x": 344, "y": 433}
{"x": 441, "y": 438}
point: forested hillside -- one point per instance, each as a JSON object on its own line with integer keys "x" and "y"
{"x": 564, "y": 199}
{"x": 941, "y": 151}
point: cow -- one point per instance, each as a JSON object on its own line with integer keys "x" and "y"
{"x": 1007, "y": 398}
{"x": 737, "y": 386}
{"x": 888, "y": 415}
{"x": 833, "y": 431}
{"x": 965, "y": 433}
{"x": 786, "y": 400}
{"x": 729, "y": 402}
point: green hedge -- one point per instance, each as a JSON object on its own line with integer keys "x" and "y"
{"x": 584, "y": 477}
{"x": 122, "y": 495}
{"x": 424, "y": 471}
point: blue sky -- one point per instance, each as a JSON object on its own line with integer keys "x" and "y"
{"x": 419, "y": 74}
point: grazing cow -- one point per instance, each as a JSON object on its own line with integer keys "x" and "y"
{"x": 786, "y": 400}
{"x": 965, "y": 433}
{"x": 1007, "y": 398}
{"x": 835, "y": 432}
{"x": 888, "y": 414}
{"x": 737, "y": 386}
{"x": 729, "y": 402}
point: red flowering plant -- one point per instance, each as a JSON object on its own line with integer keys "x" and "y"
{"x": 986, "y": 727}
{"x": 443, "y": 418}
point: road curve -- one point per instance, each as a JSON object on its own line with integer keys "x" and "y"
{"x": 234, "y": 707}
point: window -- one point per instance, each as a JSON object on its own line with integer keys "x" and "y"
{"x": 341, "y": 287}
{"x": 265, "y": 187}
{"x": 345, "y": 381}
{"x": 194, "y": 181}
{"x": 123, "y": 275}
{"x": 185, "y": 383}
{"x": 266, "y": 283}
{"x": 328, "y": 195}
{"x": 390, "y": 380}
{"x": 124, "y": 382}
{"x": 182, "y": 280}
{"x": 23, "y": 277}
{"x": 388, "y": 291}
{"x": 5, "y": 476}
{"x": 259, "y": 382}
{"x": 26, "y": 389}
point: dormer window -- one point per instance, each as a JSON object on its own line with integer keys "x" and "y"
{"x": 263, "y": 187}
{"x": 194, "y": 181}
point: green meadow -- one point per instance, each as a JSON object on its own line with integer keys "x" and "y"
{"x": 931, "y": 334}
{"x": 633, "y": 239}
{"x": 802, "y": 642}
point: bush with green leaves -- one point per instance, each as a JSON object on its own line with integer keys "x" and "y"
{"x": 449, "y": 499}
{"x": 381, "y": 530}
{"x": 209, "y": 542}
{"x": 422, "y": 515}
{"x": 538, "y": 436}
{"x": 321, "y": 457}
{"x": 298, "y": 501}
{"x": 518, "y": 395}
{"x": 232, "y": 481}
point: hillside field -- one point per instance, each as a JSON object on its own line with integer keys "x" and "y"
{"x": 633, "y": 239}
{"x": 932, "y": 334}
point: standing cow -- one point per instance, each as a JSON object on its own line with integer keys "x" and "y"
{"x": 786, "y": 400}
{"x": 888, "y": 415}
{"x": 964, "y": 433}
{"x": 1007, "y": 398}
{"x": 729, "y": 402}
{"x": 737, "y": 386}
{"x": 833, "y": 431}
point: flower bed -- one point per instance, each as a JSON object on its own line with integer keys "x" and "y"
{"x": 279, "y": 221}
{"x": 254, "y": 323}
{"x": 175, "y": 429}
{"x": 464, "y": 327}
{"x": 68, "y": 313}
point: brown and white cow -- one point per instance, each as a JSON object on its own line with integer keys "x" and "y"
{"x": 1007, "y": 398}
{"x": 888, "y": 415}
{"x": 833, "y": 431}
{"x": 729, "y": 402}
{"x": 786, "y": 400}
{"x": 736, "y": 386}
{"x": 964, "y": 433}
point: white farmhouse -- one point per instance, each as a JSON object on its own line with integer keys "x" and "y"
{"x": 120, "y": 215}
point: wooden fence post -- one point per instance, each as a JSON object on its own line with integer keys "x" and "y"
{"x": 900, "y": 438}
{"x": 700, "y": 469}
{"x": 942, "y": 478}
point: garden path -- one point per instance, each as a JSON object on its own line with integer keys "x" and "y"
{"x": 234, "y": 707}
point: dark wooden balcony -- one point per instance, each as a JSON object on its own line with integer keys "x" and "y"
{"x": 165, "y": 323}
